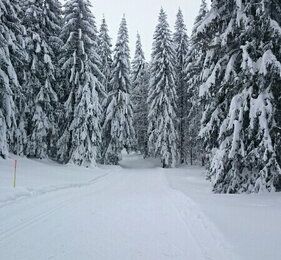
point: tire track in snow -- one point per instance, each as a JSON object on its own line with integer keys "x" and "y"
{"x": 32, "y": 193}
{"x": 205, "y": 233}
{"x": 8, "y": 231}
{"x": 12, "y": 230}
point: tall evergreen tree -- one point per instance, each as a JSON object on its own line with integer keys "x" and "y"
{"x": 53, "y": 26}
{"x": 181, "y": 43}
{"x": 81, "y": 137}
{"x": 203, "y": 11}
{"x": 194, "y": 62}
{"x": 105, "y": 54}
{"x": 275, "y": 13}
{"x": 241, "y": 78}
{"x": 140, "y": 84}
{"x": 53, "y": 23}
{"x": 11, "y": 53}
{"x": 162, "y": 97}
{"x": 42, "y": 26}
{"x": 118, "y": 123}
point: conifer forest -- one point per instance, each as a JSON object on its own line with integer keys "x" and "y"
{"x": 113, "y": 151}
{"x": 211, "y": 98}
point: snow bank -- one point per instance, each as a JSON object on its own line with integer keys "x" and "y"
{"x": 36, "y": 177}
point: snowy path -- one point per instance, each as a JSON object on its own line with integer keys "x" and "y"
{"x": 127, "y": 215}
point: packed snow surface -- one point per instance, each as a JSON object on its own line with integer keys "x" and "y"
{"x": 133, "y": 211}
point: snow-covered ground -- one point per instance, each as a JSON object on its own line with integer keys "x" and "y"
{"x": 36, "y": 177}
{"x": 251, "y": 224}
{"x": 135, "y": 211}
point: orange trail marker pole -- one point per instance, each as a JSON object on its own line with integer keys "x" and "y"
{"x": 15, "y": 173}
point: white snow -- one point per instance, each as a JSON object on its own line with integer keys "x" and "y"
{"x": 36, "y": 177}
{"x": 249, "y": 223}
{"x": 210, "y": 17}
{"x": 275, "y": 26}
{"x": 133, "y": 211}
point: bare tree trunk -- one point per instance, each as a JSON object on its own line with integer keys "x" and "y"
{"x": 203, "y": 161}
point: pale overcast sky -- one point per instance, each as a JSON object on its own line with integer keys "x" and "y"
{"x": 142, "y": 16}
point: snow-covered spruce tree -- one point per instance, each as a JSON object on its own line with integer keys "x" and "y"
{"x": 162, "y": 97}
{"x": 53, "y": 25}
{"x": 214, "y": 62}
{"x": 81, "y": 136}
{"x": 11, "y": 56}
{"x": 118, "y": 130}
{"x": 203, "y": 11}
{"x": 242, "y": 88}
{"x": 104, "y": 50}
{"x": 276, "y": 10}
{"x": 18, "y": 137}
{"x": 181, "y": 43}
{"x": 194, "y": 62}
{"x": 105, "y": 53}
{"x": 140, "y": 84}
{"x": 42, "y": 28}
